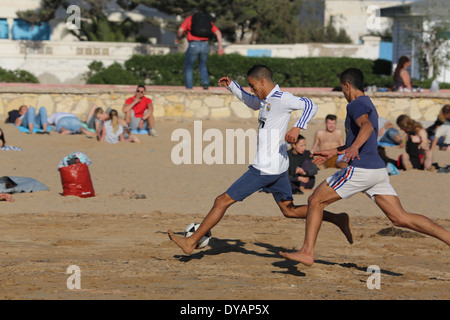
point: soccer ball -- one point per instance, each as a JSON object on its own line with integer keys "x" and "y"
{"x": 191, "y": 228}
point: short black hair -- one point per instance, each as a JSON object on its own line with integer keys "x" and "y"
{"x": 354, "y": 77}
{"x": 330, "y": 117}
{"x": 300, "y": 137}
{"x": 260, "y": 71}
{"x": 141, "y": 86}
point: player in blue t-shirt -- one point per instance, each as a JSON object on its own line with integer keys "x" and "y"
{"x": 366, "y": 173}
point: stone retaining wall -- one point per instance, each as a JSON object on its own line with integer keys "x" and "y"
{"x": 199, "y": 104}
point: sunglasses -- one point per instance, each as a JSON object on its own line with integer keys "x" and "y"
{"x": 141, "y": 91}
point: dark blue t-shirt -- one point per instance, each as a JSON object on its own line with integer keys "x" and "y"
{"x": 368, "y": 153}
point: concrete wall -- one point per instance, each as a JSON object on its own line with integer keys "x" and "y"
{"x": 65, "y": 62}
{"x": 198, "y": 104}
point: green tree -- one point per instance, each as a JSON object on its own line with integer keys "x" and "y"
{"x": 264, "y": 21}
{"x": 17, "y": 76}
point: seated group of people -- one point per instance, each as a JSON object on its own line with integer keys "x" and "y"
{"x": 105, "y": 125}
{"x": 419, "y": 142}
{"x": 302, "y": 170}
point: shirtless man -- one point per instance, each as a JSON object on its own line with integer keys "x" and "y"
{"x": 327, "y": 139}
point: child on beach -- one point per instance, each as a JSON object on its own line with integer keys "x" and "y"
{"x": 113, "y": 130}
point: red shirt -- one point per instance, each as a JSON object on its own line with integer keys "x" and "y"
{"x": 186, "y": 25}
{"x": 140, "y": 107}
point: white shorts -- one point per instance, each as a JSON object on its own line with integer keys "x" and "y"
{"x": 352, "y": 180}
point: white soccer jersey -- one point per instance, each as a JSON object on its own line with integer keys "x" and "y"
{"x": 274, "y": 114}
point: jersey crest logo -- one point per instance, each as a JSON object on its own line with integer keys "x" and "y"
{"x": 268, "y": 107}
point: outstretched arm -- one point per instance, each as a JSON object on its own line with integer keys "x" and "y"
{"x": 250, "y": 100}
{"x": 322, "y": 156}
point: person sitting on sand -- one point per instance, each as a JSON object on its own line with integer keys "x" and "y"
{"x": 328, "y": 138}
{"x": 113, "y": 130}
{"x": 138, "y": 111}
{"x": 95, "y": 119}
{"x": 301, "y": 169}
{"x": 418, "y": 153}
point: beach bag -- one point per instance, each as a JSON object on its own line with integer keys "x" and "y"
{"x": 76, "y": 181}
{"x": 201, "y": 25}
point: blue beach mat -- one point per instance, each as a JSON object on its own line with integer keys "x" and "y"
{"x": 10, "y": 148}
{"x": 140, "y": 131}
{"x": 9, "y": 184}
{"x": 35, "y": 130}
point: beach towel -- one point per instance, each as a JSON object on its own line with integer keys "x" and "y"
{"x": 10, "y": 148}
{"x": 35, "y": 130}
{"x": 140, "y": 131}
{"x": 74, "y": 157}
{"x": 10, "y": 184}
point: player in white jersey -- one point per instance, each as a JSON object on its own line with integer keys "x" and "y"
{"x": 269, "y": 170}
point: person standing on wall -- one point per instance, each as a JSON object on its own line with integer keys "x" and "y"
{"x": 199, "y": 28}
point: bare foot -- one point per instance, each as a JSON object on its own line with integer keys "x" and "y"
{"x": 181, "y": 242}
{"x": 344, "y": 224}
{"x": 298, "y": 256}
{"x": 6, "y": 197}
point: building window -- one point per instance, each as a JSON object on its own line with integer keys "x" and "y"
{"x": 23, "y": 30}
{"x": 4, "y": 29}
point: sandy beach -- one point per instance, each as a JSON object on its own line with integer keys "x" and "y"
{"x": 120, "y": 245}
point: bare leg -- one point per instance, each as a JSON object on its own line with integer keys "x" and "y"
{"x": 216, "y": 213}
{"x": 406, "y": 162}
{"x": 428, "y": 161}
{"x": 87, "y": 132}
{"x": 321, "y": 197}
{"x": 341, "y": 220}
{"x": 393, "y": 209}
{"x": 6, "y": 197}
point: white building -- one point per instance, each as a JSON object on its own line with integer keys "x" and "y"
{"x": 411, "y": 24}
{"x": 54, "y": 55}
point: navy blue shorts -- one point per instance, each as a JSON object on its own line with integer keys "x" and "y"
{"x": 254, "y": 180}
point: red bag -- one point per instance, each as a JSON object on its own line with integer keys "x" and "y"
{"x": 76, "y": 181}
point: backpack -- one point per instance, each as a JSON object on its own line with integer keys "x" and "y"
{"x": 201, "y": 25}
